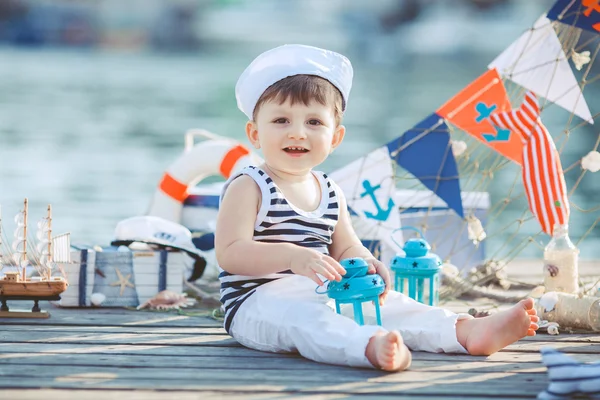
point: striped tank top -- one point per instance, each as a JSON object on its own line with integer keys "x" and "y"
{"x": 279, "y": 221}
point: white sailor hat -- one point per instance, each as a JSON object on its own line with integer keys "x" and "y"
{"x": 289, "y": 60}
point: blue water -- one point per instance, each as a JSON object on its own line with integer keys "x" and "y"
{"x": 92, "y": 132}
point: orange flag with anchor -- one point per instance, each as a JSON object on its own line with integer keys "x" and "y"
{"x": 543, "y": 176}
{"x": 471, "y": 108}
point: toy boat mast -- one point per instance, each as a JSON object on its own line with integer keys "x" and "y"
{"x": 49, "y": 218}
{"x": 24, "y": 253}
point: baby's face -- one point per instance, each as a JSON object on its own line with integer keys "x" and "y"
{"x": 296, "y": 138}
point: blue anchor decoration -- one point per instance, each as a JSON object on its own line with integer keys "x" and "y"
{"x": 484, "y": 111}
{"x": 382, "y": 214}
{"x": 502, "y": 135}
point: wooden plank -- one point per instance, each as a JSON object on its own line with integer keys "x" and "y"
{"x": 23, "y": 314}
{"x": 166, "y": 337}
{"x": 233, "y": 361}
{"x": 76, "y": 394}
{"x": 202, "y": 330}
{"x": 113, "y": 329}
{"x": 7, "y": 349}
{"x": 456, "y": 383}
{"x": 120, "y": 317}
{"x": 121, "y": 338}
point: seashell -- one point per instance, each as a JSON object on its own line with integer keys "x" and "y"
{"x": 97, "y": 298}
{"x": 553, "y": 328}
{"x": 475, "y": 230}
{"x": 97, "y": 249}
{"x": 458, "y": 147}
{"x": 548, "y": 301}
{"x": 591, "y": 161}
{"x": 580, "y": 59}
{"x": 167, "y": 300}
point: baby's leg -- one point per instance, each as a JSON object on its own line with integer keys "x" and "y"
{"x": 484, "y": 336}
{"x": 423, "y": 328}
{"x": 288, "y": 316}
{"x": 435, "y": 329}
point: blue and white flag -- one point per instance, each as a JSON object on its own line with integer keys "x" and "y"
{"x": 369, "y": 187}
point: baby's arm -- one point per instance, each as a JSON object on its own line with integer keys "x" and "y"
{"x": 237, "y": 253}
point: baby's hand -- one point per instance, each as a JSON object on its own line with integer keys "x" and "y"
{"x": 376, "y": 266}
{"x": 309, "y": 263}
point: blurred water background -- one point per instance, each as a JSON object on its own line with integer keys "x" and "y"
{"x": 95, "y": 96}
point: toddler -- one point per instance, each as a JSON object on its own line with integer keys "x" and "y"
{"x": 283, "y": 227}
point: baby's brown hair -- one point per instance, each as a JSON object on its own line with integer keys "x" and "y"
{"x": 304, "y": 89}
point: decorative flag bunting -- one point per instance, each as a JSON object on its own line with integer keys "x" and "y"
{"x": 470, "y": 108}
{"x": 584, "y": 14}
{"x": 537, "y": 62}
{"x": 425, "y": 151}
{"x": 542, "y": 172}
{"x": 369, "y": 186}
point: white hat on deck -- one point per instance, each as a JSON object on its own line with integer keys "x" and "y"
{"x": 289, "y": 60}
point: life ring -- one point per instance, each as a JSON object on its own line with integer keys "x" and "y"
{"x": 216, "y": 156}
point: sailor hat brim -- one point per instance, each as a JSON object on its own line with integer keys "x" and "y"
{"x": 289, "y": 60}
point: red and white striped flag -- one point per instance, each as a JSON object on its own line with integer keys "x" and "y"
{"x": 542, "y": 171}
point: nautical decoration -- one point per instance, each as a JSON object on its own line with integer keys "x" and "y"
{"x": 568, "y": 378}
{"x": 470, "y": 108}
{"x": 430, "y": 138}
{"x": 458, "y": 147}
{"x": 356, "y": 288}
{"x": 475, "y": 230}
{"x": 542, "y": 171}
{"x": 580, "y": 59}
{"x": 591, "y": 161}
{"x": 561, "y": 260}
{"x": 537, "y": 62}
{"x": 141, "y": 275}
{"x": 420, "y": 269}
{"x": 570, "y": 310}
{"x": 122, "y": 282}
{"x": 40, "y": 259}
{"x": 369, "y": 186}
{"x": 584, "y": 14}
{"x": 167, "y": 300}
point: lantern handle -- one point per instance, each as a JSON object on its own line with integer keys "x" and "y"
{"x": 402, "y": 228}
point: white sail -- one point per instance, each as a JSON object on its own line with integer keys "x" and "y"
{"x": 61, "y": 248}
{"x": 43, "y": 236}
{"x": 1, "y": 255}
{"x": 18, "y": 244}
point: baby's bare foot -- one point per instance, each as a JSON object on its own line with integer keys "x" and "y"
{"x": 388, "y": 352}
{"x": 485, "y": 336}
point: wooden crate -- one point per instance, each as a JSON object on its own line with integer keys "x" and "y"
{"x": 126, "y": 278}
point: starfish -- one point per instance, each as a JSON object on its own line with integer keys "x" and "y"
{"x": 123, "y": 281}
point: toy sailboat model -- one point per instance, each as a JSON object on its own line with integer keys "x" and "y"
{"x": 40, "y": 262}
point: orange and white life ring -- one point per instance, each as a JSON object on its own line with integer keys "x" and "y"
{"x": 216, "y": 156}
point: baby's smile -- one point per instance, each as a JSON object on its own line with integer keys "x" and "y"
{"x": 295, "y": 151}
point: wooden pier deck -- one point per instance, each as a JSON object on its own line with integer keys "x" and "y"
{"x": 124, "y": 354}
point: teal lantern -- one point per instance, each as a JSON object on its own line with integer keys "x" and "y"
{"x": 357, "y": 287}
{"x": 420, "y": 268}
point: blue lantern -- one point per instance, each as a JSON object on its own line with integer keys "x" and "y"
{"x": 420, "y": 268}
{"x": 357, "y": 287}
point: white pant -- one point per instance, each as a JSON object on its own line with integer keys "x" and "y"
{"x": 287, "y": 315}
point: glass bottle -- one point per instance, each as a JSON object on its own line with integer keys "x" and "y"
{"x": 561, "y": 257}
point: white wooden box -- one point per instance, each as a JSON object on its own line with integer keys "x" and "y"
{"x": 126, "y": 278}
